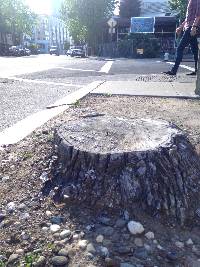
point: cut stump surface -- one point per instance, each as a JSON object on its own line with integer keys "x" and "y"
{"x": 116, "y": 162}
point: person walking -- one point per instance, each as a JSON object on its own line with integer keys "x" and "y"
{"x": 189, "y": 26}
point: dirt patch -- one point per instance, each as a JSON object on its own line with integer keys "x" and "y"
{"x": 26, "y": 216}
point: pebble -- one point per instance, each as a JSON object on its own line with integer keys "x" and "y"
{"x": 11, "y": 206}
{"x": 45, "y": 229}
{"x": 5, "y": 178}
{"x": 90, "y": 256}
{"x": 105, "y": 220}
{"x": 19, "y": 251}
{"x": 99, "y": 238}
{"x": 54, "y": 228}
{"x": 90, "y": 248}
{"x": 189, "y": 242}
{"x": 160, "y": 247}
{"x": 75, "y": 236}
{"x": 107, "y": 242}
{"x": 57, "y": 219}
{"x": 149, "y": 235}
{"x": 56, "y": 235}
{"x": 44, "y": 177}
{"x": 48, "y": 213}
{"x": 106, "y": 230}
{"x": 104, "y": 251}
{"x": 90, "y": 227}
{"x": 172, "y": 255}
{"x": 24, "y": 216}
{"x": 2, "y": 215}
{"x": 110, "y": 262}
{"x": 141, "y": 253}
{"x": 147, "y": 247}
{"x": 13, "y": 258}
{"x": 41, "y": 262}
{"x": 126, "y": 215}
{"x": 65, "y": 233}
{"x": 82, "y": 244}
{"x": 25, "y": 236}
{"x": 120, "y": 223}
{"x": 122, "y": 249}
{"x": 135, "y": 227}
{"x": 138, "y": 242}
{"x": 59, "y": 260}
{"x": 22, "y": 206}
{"x": 125, "y": 264}
{"x": 179, "y": 244}
{"x": 63, "y": 252}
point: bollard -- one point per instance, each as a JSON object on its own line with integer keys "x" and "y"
{"x": 197, "y": 90}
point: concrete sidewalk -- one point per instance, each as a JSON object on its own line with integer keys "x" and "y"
{"x": 140, "y": 88}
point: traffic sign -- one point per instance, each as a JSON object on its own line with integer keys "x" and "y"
{"x": 112, "y": 23}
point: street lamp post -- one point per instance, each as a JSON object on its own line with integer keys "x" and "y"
{"x": 197, "y": 90}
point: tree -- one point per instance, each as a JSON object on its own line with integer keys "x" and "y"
{"x": 16, "y": 17}
{"x": 130, "y": 8}
{"x": 180, "y": 6}
{"x": 83, "y": 18}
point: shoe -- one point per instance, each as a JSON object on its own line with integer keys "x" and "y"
{"x": 192, "y": 73}
{"x": 169, "y": 73}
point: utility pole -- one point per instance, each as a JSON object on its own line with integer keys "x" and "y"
{"x": 197, "y": 90}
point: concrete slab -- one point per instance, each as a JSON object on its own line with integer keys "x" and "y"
{"x": 26, "y": 126}
{"x": 138, "y": 88}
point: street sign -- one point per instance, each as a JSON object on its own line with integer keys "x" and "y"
{"x": 112, "y": 23}
{"x": 142, "y": 25}
{"x": 111, "y": 30}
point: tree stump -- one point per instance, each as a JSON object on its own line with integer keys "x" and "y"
{"x": 110, "y": 162}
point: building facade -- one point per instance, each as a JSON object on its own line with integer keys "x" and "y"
{"x": 154, "y": 8}
{"x": 50, "y": 31}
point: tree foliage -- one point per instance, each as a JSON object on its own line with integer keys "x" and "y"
{"x": 16, "y": 17}
{"x": 180, "y": 6}
{"x": 130, "y": 8}
{"x": 84, "y": 17}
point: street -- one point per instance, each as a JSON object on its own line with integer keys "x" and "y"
{"x": 30, "y": 84}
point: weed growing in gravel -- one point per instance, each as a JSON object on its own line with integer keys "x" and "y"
{"x": 77, "y": 104}
{"x": 108, "y": 94}
{"x": 2, "y": 264}
{"x": 29, "y": 259}
{"x": 26, "y": 155}
{"x": 51, "y": 246}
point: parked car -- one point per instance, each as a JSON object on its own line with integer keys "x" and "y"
{"x": 18, "y": 51}
{"x": 54, "y": 50}
{"x": 75, "y": 53}
{"x": 26, "y": 52}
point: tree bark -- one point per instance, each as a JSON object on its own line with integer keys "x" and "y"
{"x": 117, "y": 163}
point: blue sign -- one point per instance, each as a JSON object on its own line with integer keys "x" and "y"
{"x": 142, "y": 25}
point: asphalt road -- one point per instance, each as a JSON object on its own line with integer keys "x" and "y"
{"x": 30, "y": 84}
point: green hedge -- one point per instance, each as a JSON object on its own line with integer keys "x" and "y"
{"x": 150, "y": 45}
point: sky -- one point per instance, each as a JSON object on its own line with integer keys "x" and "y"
{"x": 40, "y": 6}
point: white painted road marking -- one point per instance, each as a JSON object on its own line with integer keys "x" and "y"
{"x": 182, "y": 66}
{"x": 42, "y": 82}
{"x": 75, "y": 69}
{"x": 106, "y": 68}
{"x": 26, "y": 126}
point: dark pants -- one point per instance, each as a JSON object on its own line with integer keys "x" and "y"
{"x": 186, "y": 40}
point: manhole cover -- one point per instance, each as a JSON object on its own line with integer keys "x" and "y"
{"x": 165, "y": 78}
